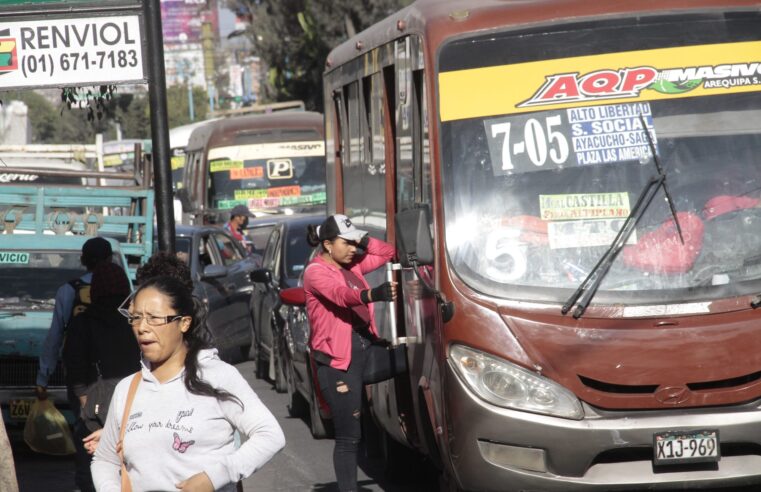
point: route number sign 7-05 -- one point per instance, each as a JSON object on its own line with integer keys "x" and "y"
{"x": 539, "y": 141}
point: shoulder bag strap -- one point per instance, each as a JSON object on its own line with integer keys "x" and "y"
{"x": 126, "y": 485}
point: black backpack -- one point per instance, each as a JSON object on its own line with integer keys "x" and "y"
{"x": 82, "y": 299}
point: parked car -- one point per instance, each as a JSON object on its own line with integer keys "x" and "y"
{"x": 220, "y": 269}
{"x": 304, "y": 396}
{"x": 283, "y": 260}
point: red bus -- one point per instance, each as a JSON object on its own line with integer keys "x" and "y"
{"x": 575, "y": 188}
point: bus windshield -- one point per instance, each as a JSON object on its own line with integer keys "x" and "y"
{"x": 268, "y": 175}
{"x": 546, "y": 140}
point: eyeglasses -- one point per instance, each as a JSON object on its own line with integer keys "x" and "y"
{"x": 135, "y": 319}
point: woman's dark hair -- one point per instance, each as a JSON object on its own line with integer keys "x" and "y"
{"x": 165, "y": 264}
{"x": 313, "y": 238}
{"x": 196, "y": 338}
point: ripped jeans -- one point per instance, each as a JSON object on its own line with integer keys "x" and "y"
{"x": 343, "y": 393}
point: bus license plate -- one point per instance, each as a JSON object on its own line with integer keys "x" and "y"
{"x": 19, "y": 409}
{"x": 678, "y": 447}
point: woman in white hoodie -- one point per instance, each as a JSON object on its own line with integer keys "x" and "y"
{"x": 188, "y": 404}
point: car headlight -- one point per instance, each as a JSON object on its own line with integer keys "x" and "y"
{"x": 507, "y": 385}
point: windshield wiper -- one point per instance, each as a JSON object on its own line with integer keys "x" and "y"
{"x": 658, "y": 167}
{"x": 591, "y": 283}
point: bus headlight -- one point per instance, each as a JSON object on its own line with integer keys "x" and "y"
{"x": 507, "y": 385}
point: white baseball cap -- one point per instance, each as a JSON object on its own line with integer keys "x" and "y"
{"x": 339, "y": 225}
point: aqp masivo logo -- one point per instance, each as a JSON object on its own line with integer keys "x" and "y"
{"x": 630, "y": 82}
{"x": 8, "y": 56}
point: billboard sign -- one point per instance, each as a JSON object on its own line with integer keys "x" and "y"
{"x": 60, "y": 52}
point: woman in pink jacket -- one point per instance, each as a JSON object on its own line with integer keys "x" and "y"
{"x": 339, "y": 307}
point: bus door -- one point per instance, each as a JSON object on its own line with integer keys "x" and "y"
{"x": 418, "y": 322}
{"x": 385, "y": 167}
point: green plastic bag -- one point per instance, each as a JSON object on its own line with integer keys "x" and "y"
{"x": 46, "y": 430}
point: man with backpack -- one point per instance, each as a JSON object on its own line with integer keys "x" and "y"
{"x": 71, "y": 299}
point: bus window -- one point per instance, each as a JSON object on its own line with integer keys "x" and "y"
{"x": 364, "y": 172}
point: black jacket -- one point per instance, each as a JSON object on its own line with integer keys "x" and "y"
{"x": 99, "y": 341}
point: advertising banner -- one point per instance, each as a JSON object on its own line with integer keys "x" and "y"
{"x": 611, "y": 78}
{"x": 71, "y": 52}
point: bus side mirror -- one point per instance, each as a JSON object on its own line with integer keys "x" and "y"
{"x": 413, "y": 237}
{"x": 184, "y": 198}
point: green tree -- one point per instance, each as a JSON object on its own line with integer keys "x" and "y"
{"x": 135, "y": 119}
{"x": 293, "y": 39}
{"x": 178, "y": 105}
{"x": 43, "y": 116}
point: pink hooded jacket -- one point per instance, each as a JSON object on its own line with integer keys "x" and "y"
{"x": 329, "y": 301}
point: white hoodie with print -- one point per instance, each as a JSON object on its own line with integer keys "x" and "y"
{"x": 173, "y": 434}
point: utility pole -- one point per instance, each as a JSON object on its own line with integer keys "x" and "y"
{"x": 207, "y": 41}
{"x": 162, "y": 177}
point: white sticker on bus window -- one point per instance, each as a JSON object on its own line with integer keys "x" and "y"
{"x": 585, "y": 233}
{"x": 569, "y": 138}
{"x": 14, "y": 258}
{"x": 279, "y": 169}
{"x": 613, "y": 133}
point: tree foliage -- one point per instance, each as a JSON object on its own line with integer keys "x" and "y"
{"x": 81, "y": 115}
{"x": 178, "y": 105}
{"x": 293, "y": 39}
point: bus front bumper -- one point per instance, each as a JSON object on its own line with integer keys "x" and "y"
{"x": 492, "y": 448}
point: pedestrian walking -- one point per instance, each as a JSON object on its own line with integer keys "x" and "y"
{"x": 340, "y": 311}
{"x": 71, "y": 300}
{"x": 171, "y": 426}
{"x": 100, "y": 350}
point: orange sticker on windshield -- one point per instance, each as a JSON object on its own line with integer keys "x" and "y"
{"x": 247, "y": 173}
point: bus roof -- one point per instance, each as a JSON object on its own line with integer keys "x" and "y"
{"x": 440, "y": 19}
{"x": 180, "y": 135}
{"x": 224, "y": 132}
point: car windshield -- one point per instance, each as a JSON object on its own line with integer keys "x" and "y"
{"x": 30, "y": 280}
{"x": 268, "y": 175}
{"x": 545, "y": 152}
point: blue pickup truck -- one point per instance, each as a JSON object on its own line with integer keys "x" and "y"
{"x": 42, "y": 230}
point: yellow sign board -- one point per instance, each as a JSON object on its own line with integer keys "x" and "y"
{"x": 648, "y": 75}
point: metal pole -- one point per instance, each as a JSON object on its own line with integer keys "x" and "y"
{"x": 190, "y": 101}
{"x": 162, "y": 177}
